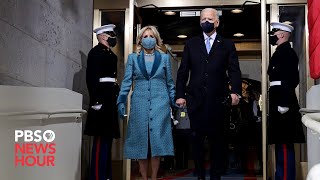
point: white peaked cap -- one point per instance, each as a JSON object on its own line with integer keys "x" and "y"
{"x": 282, "y": 26}
{"x": 105, "y": 28}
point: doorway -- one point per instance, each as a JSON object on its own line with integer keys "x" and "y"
{"x": 253, "y": 50}
{"x": 244, "y": 157}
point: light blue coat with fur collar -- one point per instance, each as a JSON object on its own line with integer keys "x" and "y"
{"x": 150, "y": 105}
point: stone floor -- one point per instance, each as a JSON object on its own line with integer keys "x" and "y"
{"x": 188, "y": 174}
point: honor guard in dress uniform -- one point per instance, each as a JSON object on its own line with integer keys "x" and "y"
{"x": 285, "y": 127}
{"x": 102, "y": 120}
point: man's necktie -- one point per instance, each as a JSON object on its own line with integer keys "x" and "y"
{"x": 208, "y": 45}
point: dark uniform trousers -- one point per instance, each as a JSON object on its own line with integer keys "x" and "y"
{"x": 101, "y": 158}
{"x": 285, "y": 162}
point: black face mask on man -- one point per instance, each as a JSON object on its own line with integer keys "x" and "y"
{"x": 207, "y": 27}
{"x": 112, "y": 41}
{"x": 273, "y": 39}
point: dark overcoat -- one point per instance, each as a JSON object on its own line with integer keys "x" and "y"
{"x": 287, "y": 127}
{"x": 102, "y": 62}
{"x": 208, "y": 84}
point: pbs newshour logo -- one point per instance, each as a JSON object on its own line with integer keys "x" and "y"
{"x": 34, "y": 148}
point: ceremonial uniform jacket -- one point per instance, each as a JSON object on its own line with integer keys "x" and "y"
{"x": 284, "y": 73}
{"x": 101, "y": 63}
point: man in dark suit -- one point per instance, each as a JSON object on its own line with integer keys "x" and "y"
{"x": 284, "y": 126}
{"x": 102, "y": 119}
{"x": 212, "y": 63}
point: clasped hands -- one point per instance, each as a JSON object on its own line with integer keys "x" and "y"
{"x": 235, "y": 100}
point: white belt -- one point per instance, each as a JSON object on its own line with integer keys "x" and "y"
{"x": 275, "y": 83}
{"x": 107, "y": 79}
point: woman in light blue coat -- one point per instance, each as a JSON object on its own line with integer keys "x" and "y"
{"x": 148, "y": 72}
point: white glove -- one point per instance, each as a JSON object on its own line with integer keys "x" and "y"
{"x": 97, "y": 107}
{"x": 283, "y": 110}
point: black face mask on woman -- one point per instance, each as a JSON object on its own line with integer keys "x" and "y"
{"x": 273, "y": 39}
{"x": 207, "y": 26}
{"x": 112, "y": 41}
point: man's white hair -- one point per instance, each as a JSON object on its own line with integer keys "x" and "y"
{"x": 210, "y": 9}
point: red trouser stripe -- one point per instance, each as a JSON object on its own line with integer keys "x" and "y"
{"x": 97, "y": 158}
{"x": 285, "y": 161}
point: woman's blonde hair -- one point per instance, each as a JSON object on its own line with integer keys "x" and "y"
{"x": 156, "y": 35}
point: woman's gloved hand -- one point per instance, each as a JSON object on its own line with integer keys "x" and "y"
{"x": 121, "y": 110}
